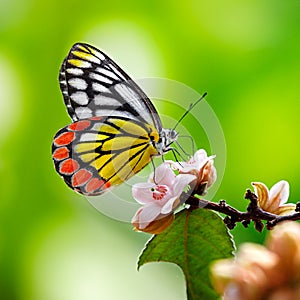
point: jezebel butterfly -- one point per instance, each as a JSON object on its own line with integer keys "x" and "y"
{"x": 116, "y": 130}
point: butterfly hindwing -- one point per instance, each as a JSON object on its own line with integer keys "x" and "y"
{"x": 96, "y": 153}
{"x": 94, "y": 85}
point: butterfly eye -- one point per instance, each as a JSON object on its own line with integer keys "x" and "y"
{"x": 172, "y": 135}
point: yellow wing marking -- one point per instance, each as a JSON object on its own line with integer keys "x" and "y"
{"x": 83, "y": 55}
{"x": 99, "y": 162}
{"x": 81, "y": 47}
{"x": 79, "y": 63}
{"x": 92, "y": 50}
{"x": 86, "y": 56}
{"x": 122, "y": 142}
{"x": 85, "y": 147}
{"x": 108, "y": 129}
{"x": 131, "y": 127}
{"x": 87, "y": 157}
{"x": 121, "y": 166}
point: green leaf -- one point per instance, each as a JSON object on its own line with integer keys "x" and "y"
{"x": 195, "y": 239}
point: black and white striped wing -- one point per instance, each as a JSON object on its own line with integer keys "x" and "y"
{"x": 94, "y": 85}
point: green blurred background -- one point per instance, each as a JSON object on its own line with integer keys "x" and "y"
{"x": 53, "y": 244}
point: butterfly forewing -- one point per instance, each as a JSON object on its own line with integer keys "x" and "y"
{"x": 93, "y": 85}
{"x": 96, "y": 153}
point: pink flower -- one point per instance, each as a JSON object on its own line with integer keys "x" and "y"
{"x": 202, "y": 166}
{"x": 159, "y": 197}
{"x": 247, "y": 275}
{"x": 262, "y": 272}
{"x": 273, "y": 201}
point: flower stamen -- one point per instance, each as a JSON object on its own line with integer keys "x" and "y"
{"x": 159, "y": 192}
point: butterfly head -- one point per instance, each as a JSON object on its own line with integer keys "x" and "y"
{"x": 167, "y": 137}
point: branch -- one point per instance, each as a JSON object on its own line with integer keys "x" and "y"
{"x": 254, "y": 212}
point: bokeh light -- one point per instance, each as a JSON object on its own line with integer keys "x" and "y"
{"x": 53, "y": 243}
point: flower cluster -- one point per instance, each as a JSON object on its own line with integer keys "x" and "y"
{"x": 262, "y": 272}
{"x": 160, "y": 196}
{"x": 163, "y": 193}
{"x": 202, "y": 166}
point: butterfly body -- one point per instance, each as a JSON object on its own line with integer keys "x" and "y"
{"x": 115, "y": 131}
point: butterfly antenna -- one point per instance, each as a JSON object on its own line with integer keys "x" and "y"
{"x": 192, "y": 105}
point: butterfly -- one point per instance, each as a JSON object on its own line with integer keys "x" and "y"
{"x": 116, "y": 130}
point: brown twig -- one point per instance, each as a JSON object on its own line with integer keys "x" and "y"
{"x": 254, "y": 212}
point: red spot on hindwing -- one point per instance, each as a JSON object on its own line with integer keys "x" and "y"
{"x": 80, "y": 125}
{"x": 81, "y": 177}
{"x": 61, "y": 153}
{"x": 94, "y": 184}
{"x": 68, "y": 166}
{"x": 106, "y": 185}
{"x": 64, "y": 139}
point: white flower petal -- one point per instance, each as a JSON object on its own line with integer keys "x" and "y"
{"x": 181, "y": 181}
{"x": 168, "y": 207}
{"x": 148, "y": 213}
{"x": 142, "y": 192}
{"x": 175, "y": 165}
{"x": 135, "y": 218}
{"x": 200, "y": 155}
{"x": 280, "y": 192}
{"x": 199, "y": 160}
{"x": 164, "y": 175}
